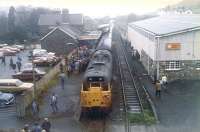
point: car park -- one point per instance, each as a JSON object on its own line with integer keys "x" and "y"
{"x": 6, "y": 99}
{"x": 27, "y": 74}
{"x": 14, "y": 85}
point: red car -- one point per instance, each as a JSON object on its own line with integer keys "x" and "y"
{"x": 27, "y": 75}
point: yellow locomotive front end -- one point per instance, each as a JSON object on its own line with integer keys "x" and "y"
{"x": 96, "y": 96}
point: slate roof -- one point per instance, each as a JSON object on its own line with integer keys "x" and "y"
{"x": 166, "y": 25}
{"x": 66, "y": 29}
{"x": 53, "y": 19}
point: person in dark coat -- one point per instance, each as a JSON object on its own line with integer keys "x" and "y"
{"x": 3, "y": 60}
{"x": 36, "y": 127}
{"x": 19, "y": 64}
{"x": 61, "y": 67}
{"x": 14, "y": 67}
{"x": 11, "y": 62}
{"x": 46, "y": 125}
{"x": 62, "y": 80}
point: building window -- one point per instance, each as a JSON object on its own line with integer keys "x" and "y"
{"x": 172, "y": 65}
{"x": 198, "y": 65}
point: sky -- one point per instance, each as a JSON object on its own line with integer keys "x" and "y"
{"x": 96, "y": 8}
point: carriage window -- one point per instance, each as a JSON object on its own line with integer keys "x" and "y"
{"x": 95, "y": 84}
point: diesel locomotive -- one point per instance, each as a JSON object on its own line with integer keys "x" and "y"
{"x": 96, "y": 92}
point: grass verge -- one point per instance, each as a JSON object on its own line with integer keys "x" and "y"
{"x": 144, "y": 118}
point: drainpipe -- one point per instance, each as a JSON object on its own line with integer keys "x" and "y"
{"x": 157, "y": 57}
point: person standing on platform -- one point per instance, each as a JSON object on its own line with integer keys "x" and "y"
{"x": 158, "y": 88}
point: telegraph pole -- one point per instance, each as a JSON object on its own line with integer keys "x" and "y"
{"x": 34, "y": 82}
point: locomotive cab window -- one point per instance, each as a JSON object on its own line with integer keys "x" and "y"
{"x": 95, "y": 85}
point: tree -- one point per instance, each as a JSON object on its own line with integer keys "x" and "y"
{"x": 11, "y": 19}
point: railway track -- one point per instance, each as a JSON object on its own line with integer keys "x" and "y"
{"x": 93, "y": 123}
{"x": 130, "y": 101}
{"x": 130, "y": 96}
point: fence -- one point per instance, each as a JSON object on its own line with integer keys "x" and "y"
{"x": 24, "y": 101}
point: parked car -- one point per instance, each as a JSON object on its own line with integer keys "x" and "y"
{"x": 3, "y": 45}
{"x": 48, "y": 60}
{"x": 6, "y": 99}
{"x": 14, "y": 85}
{"x": 21, "y": 47}
{"x": 11, "y": 48}
{"x": 27, "y": 74}
{"x": 8, "y": 52}
{"x": 27, "y": 66}
{"x": 39, "y": 52}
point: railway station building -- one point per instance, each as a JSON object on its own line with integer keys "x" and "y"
{"x": 62, "y": 39}
{"x": 168, "y": 45}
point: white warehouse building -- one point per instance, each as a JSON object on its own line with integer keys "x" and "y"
{"x": 168, "y": 45}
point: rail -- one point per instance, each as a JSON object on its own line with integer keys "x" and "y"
{"x": 127, "y": 128}
{"x": 134, "y": 83}
{"x": 127, "y": 83}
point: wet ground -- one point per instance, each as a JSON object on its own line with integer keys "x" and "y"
{"x": 179, "y": 106}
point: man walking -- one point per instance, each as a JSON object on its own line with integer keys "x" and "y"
{"x": 62, "y": 80}
{"x": 61, "y": 67}
{"x": 19, "y": 64}
{"x": 11, "y": 62}
{"x": 35, "y": 109}
{"x": 54, "y": 103}
{"x": 3, "y": 60}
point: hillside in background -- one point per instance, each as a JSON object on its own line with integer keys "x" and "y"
{"x": 193, "y": 5}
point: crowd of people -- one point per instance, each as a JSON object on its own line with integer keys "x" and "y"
{"x": 75, "y": 64}
{"x": 13, "y": 65}
{"x": 36, "y": 127}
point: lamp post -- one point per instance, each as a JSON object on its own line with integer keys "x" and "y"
{"x": 34, "y": 81}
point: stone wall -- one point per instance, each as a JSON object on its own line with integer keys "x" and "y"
{"x": 188, "y": 70}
